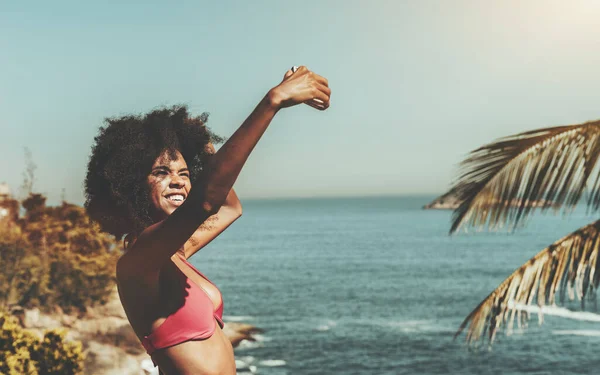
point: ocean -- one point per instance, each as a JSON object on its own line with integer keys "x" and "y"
{"x": 377, "y": 286}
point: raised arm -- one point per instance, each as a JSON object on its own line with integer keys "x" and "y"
{"x": 229, "y": 212}
{"x": 159, "y": 242}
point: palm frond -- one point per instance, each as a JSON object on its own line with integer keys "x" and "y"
{"x": 503, "y": 182}
{"x": 568, "y": 266}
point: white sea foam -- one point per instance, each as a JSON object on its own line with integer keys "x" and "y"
{"x": 148, "y": 367}
{"x": 414, "y": 325}
{"x": 247, "y": 344}
{"x": 259, "y": 337}
{"x": 246, "y": 358}
{"x": 410, "y": 326}
{"x": 557, "y": 311}
{"x": 326, "y": 326}
{"x": 582, "y": 332}
{"x": 237, "y": 318}
{"x": 272, "y": 362}
{"x": 243, "y": 366}
{"x": 257, "y": 342}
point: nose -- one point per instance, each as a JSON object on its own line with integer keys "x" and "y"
{"x": 177, "y": 181}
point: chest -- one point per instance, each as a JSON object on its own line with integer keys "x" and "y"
{"x": 175, "y": 280}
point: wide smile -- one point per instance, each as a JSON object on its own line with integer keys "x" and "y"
{"x": 176, "y": 199}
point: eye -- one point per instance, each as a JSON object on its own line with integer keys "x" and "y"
{"x": 186, "y": 175}
{"x": 159, "y": 172}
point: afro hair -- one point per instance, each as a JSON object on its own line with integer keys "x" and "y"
{"x": 125, "y": 149}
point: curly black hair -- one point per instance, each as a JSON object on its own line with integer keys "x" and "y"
{"x": 117, "y": 195}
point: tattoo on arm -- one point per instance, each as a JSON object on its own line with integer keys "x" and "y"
{"x": 209, "y": 223}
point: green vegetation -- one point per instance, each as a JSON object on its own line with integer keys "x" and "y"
{"x": 55, "y": 256}
{"x": 500, "y": 185}
{"x": 21, "y": 352}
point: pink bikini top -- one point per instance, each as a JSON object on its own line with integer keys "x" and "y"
{"x": 195, "y": 320}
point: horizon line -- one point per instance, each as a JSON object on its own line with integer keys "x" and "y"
{"x": 282, "y": 198}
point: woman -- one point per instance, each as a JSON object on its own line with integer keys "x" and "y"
{"x": 139, "y": 184}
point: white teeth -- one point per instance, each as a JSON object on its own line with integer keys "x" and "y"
{"x": 176, "y": 197}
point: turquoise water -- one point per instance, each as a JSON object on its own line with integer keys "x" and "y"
{"x": 376, "y": 286}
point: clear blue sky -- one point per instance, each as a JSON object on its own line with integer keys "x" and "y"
{"x": 416, "y": 84}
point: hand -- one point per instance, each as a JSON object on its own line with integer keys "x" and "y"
{"x": 303, "y": 86}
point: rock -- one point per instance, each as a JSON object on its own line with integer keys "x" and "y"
{"x": 108, "y": 359}
{"x": 443, "y": 202}
{"x": 449, "y": 201}
{"x": 236, "y": 332}
{"x": 35, "y": 319}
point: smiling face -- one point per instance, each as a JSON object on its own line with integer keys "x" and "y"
{"x": 169, "y": 184}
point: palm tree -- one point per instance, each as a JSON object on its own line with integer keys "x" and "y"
{"x": 500, "y": 184}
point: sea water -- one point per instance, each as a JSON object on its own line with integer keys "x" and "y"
{"x": 377, "y": 286}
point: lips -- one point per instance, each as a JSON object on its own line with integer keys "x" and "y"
{"x": 175, "y": 199}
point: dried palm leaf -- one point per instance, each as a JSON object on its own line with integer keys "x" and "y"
{"x": 503, "y": 182}
{"x": 569, "y": 265}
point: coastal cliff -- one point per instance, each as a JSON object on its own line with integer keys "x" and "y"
{"x": 110, "y": 345}
{"x": 447, "y": 201}
{"x": 450, "y": 201}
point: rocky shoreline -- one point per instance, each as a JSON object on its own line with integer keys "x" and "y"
{"x": 110, "y": 345}
{"x": 444, "y": 202}
{"x": 449, "y": 201}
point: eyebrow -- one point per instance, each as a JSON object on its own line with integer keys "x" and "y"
{"x": 164, "y": 167}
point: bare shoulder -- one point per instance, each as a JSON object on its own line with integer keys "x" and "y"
{"x": 130, "y": 274}
{"x": 131, "y": 264}
{"x": 156, "y": 245}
